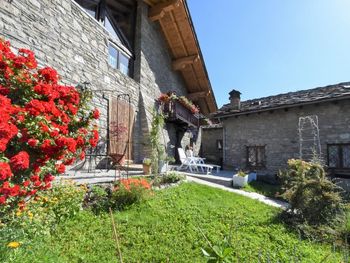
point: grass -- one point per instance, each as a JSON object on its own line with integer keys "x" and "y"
{"x": 166, "y": 229}
{"x": 266, "y": 189}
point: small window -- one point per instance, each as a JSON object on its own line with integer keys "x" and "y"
{"x": 118, "y": 60}
{"x": 256, "y": 157}
{"x": 339, "y": 156}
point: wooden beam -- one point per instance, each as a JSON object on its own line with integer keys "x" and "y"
{"x": 181, "y": 63}
{"x": 159, "y": 10}
{"x": 198, "y": 95}
{"x": 148, "y": 2}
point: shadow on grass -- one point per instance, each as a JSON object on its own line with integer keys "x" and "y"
{"x": 266, "y": 189}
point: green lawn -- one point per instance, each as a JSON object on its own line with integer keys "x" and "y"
{"x": 166, "y": 229}
{"x": 266, "y": 189}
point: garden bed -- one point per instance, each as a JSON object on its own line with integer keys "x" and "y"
{"x": 169, "y": 227}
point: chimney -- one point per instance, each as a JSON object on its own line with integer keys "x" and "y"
{"x": 235, "y": 99}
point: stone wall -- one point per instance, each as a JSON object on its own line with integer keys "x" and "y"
{"x": 155, "y": 75}
{"x": 209, "y": 149}
{"x": 278, "y": 130}
{"x": 64, "y": 36}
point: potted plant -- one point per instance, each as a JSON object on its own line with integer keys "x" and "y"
{"x": 146, "y": 165}
{"x": 240, "y": 179}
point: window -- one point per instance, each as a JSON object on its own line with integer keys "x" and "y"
{"x": 101, "y": 11}
{"x": 117, "y": 23}
{"x": 89, "y": 6}
{"x": 118, "y": 60}
{"x": 256, "y": 156}
{"x": 110, "y": 28}
{"x": 339, "y": 156}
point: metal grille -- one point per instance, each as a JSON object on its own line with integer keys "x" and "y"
{"x": 256, "y": 157}
{"x": 346, "y": 156}
{"x": 333, "y": 156}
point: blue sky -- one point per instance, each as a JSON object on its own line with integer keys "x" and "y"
{"x": 267, "y": 47}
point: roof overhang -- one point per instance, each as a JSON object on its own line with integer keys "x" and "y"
{"x": 176, "y": 24}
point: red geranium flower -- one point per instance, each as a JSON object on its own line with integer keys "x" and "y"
{"x": 61, "y": 168}
{"x": 20, "y": 161}
{"x": 2, "y": 200}
{"x": 96, "y": 114}
{"x": 5, "y": 171}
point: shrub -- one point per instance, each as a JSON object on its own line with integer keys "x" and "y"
{"x": 97, "y": 199}
{"x": 169, "y": 178}
{"x": 43, "y": 126}
{"x": 129, "y": 191}
{"x": 241, "y": 173}
{"x": 314, "y": 200}
{"x": 43, "y": 213}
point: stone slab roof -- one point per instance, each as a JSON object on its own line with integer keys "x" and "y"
{"x": 290, "y": 99}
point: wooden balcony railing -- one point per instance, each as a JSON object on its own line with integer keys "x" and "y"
{"x": 178, "y": 113}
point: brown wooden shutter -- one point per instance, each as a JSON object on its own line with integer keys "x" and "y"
{"x": 121, "y": 122}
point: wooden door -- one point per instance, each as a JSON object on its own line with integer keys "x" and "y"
{"x": 121, "y": 123}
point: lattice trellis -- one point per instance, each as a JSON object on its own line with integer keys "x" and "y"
{"x": 309, "y": 138}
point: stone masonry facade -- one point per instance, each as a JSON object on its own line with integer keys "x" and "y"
{"x": 277, "y": 130}
{"x": 67, "y": 38}
{"x": 212, "y": 144}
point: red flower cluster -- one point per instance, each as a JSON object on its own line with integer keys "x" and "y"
{"x": 128, "y": 184}
{"x": 20, "y": 161}
{"x": 43, "y": 125}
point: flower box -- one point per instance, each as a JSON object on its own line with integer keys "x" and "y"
{"x": 239, "y": 181}
{"x": 177, "y": 112}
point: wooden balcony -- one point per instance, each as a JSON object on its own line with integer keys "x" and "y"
{"x": 178, "y": 113}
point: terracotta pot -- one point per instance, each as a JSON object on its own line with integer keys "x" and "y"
{"x": 146, "y": 169}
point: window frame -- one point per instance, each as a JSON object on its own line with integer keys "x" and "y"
{"x": 119, "y": 52}
{"x": 259, "y": 165}
{"x": 340, "y": 155}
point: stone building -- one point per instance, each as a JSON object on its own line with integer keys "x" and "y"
{"x": 119, "y": 49}
{"x": 212, "y": 144}
{"x": 262, "y": 134}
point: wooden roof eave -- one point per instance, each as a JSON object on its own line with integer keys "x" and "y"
{"x": 177, "y": 26}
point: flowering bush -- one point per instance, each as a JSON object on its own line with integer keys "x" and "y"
{"x": 41, "y": 215}
{"x": 44, "y": 126}
{"x": 129, "y": 191}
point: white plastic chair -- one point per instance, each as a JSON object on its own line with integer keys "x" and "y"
{"x": 190, "y": 162}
